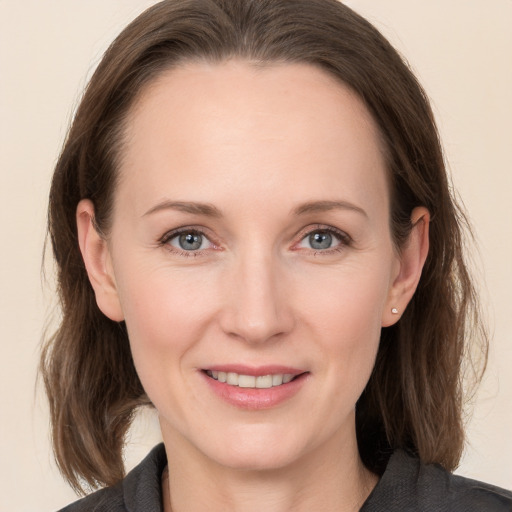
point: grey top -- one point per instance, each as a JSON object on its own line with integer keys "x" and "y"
{"x": 406, "y": 485}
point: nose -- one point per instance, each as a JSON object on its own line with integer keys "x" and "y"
{"x": 256, "y": 302}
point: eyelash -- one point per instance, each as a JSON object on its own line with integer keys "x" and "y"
{"x": 164, "y": 241}
{"x": 344, "y": 240}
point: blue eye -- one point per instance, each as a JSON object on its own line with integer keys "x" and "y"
{"x": 323, "y": 240}
{"x": 189, "y": 241}
{"x": 320, "y": 240}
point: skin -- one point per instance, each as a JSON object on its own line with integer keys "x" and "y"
{"x": 270, "y": 150}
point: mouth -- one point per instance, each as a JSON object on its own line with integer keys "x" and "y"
{"x": 252, "y": 381}
{"x": 254, "y": 388}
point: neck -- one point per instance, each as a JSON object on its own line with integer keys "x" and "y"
{"x": 332, "y": 478}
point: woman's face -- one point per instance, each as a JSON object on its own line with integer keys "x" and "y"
{"x": 251, "y": 242}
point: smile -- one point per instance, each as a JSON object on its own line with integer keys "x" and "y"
{"x": 255, "y": 388}
{"x": 251, "y": 381}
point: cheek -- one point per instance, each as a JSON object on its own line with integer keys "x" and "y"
{"x": 347, "y": 303}
{"x": 344, "y": 311}
{"x": 166, "y": 313}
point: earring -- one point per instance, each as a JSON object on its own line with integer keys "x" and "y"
{"x": 394, "y": 311}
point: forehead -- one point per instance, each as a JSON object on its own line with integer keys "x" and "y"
{"x": 251, "y": 89}
{"x": 241, "y": 124}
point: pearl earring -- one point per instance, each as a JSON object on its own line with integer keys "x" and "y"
{"x": 394, "y": 311}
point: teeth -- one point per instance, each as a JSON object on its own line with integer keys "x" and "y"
{"x": 264, "y": 381}
{"x": 232, "y": 379}
{"x": 250, "y": 381}
{"x": 246, "y": 381}
{"x": 277, "y": 379}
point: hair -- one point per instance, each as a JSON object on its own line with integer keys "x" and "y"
{"x": 414, "y": 398}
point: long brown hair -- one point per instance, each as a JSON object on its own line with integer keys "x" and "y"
{"x": 414, "y": 397}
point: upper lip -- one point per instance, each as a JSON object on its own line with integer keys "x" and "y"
{"x": 256, "y": 371}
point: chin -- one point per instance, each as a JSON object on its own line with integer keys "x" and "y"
{"x": 263, "y": 452}
{"x": 256, "y": 460}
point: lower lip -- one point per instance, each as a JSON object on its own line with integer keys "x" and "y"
{"x": 253, "y": 398}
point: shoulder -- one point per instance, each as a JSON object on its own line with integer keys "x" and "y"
{"x": 408, "y": 484}
{"x": 109, "y": 499}
{"x": 139, "y": 491}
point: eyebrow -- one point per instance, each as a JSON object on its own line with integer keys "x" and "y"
{"x": 210, "y": 210}
{"x": 324, "y": 206}
{"x": 188, "y": 207}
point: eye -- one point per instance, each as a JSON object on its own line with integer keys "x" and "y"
{"x": 188, "y": 241}
{"x": 323, "y": 240}
{"x": 320, "y": 240}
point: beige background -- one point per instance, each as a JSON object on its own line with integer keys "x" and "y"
{"x": 461, "y": 50}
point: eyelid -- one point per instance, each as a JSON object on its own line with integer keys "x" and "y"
{"x": 168, "y": 235}
{"x": 344, "y": 238}
{"x": 173, "y": 233}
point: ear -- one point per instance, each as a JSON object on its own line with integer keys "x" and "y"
{"x": 98, "y": 263}
{"x": 411, "y": 260}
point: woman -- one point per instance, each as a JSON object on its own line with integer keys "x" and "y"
{"x": 255, "y": 235}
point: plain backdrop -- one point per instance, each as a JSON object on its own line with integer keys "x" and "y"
{"x": 462, "y": 53}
